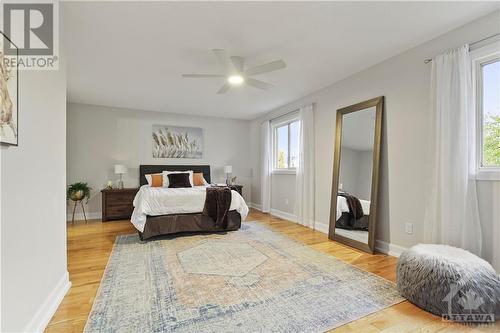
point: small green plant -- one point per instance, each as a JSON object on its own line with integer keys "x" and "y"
{"x": 78, "y": 191}
{"x": 233, "y": 179}
{"x": 281, "y": 160}
{"x": 491, "y": 144}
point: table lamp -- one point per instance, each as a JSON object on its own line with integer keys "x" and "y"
{"x": 228, "y": 169}
{"x": 120, "y": 170}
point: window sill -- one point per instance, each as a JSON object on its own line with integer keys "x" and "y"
{"x": 284, "y": 172}
{"x": 488, "y": 175}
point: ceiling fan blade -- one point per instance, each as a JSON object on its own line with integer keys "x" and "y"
{"x": 258, "y": 84}
{"x": 238, "y": 62}
{"x": 266, "y": 68}
{"x": 201, "y": 76}
{"x": 224, "y": 89}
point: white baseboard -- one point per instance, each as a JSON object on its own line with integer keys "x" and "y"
{"x": 381, "y": 246}
{"x": 278, "y": 213}
{"x": 389, "y": 248}
{"x": 43, "y": 315}
{"x": 80, "y": 217}
{"x": 255, "y": 206}
{"x": 321, "y": 227}
{"x": 283, "y": 215}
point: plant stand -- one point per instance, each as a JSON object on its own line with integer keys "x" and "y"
{"x": 74, "y": 209}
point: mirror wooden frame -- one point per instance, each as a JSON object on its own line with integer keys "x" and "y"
{"x": 378, "y": 102}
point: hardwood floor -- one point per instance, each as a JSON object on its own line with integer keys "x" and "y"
{"x": 89, "y": 246}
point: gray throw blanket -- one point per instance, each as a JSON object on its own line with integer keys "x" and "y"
{"x": 217, "y": 204}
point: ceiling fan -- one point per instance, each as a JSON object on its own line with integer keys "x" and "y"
{"x": 236, "y": 74}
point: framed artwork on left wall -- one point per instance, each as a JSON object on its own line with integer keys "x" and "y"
{"x": 9, "y": 93}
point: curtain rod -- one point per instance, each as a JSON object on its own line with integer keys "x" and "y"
{"x": 288, "y": 112}
{"x": 426, "y": 61}
{"x": 280, "y": 116}
{"x": 284, "y": 114}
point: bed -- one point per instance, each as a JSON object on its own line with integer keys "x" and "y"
{"x": 344, "y": 216}
{"x": 165, "y": 211}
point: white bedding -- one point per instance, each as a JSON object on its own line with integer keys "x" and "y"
{"x": 156, "y": 201}
{"x": 342, "y": 206}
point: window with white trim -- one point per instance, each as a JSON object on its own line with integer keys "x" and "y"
{"x": 486, "y": 76}
{"x": 286, "y": 145}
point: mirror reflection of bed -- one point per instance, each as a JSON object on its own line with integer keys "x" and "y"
{"x": 357, "y": 148}
{"x": 356, "y": 160}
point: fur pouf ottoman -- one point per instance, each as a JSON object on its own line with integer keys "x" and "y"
{"x": 450, "y": 282}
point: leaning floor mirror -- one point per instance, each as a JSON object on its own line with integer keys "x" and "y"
{"x": 353, "y": 210}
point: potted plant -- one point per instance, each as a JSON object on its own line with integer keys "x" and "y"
{"x": 78, "y": 192}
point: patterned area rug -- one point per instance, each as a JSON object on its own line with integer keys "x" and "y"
{"x": 250, "y": 280}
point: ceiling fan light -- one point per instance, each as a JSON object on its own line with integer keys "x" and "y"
{"x": 235, "y": 79}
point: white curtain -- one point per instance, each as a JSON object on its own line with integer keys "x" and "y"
{"x": 495, "y": 260}
{"x": 304, "y": 190}
{"x": 265, "y": 183}
{"x": 451, "y": 215}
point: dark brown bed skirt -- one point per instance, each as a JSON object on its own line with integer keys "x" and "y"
{"x": 346, "y": 221}
{"x": 178, "y": 223}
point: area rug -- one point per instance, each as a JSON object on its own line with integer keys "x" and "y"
{"x": 250, "y": 280}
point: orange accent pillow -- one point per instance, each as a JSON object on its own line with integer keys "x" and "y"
{"x": 198, "y": 179}
{"x": 157, "y": 180}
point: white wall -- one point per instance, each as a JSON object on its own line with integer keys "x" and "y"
{"x": 349, "y": 170}
{"x": 364, "y": 186}
{"x": 100, "y": 137}
{"x": 404, "y": 80}
{"x": 356, "y": 172}
{"x": 282, "y": 193}
{"x": 33, "y": 206}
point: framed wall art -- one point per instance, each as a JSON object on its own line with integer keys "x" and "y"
{"x": 9, "y": 94}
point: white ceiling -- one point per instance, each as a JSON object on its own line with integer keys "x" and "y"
{"x": 132, "y": 54}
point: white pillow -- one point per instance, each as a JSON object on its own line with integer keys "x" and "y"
{"x": 149, "y": 178}
{"x": 166, "y": 173}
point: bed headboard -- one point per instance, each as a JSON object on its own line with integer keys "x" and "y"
{"x": 148, "y": 169}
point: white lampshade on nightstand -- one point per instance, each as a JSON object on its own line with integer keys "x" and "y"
{"x": 120, "y": 169}
{"x": 228, "y": 169}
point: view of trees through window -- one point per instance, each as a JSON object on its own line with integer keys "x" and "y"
{"x": 287, "y": 145}
{"x": 491, "y": 114}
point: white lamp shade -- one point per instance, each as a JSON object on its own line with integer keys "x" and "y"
{"x": 228, "y": 169}
{"x": 120, "y": 169}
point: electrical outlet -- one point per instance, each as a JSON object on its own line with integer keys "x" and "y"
{"x": 286, "y": 201}
{"x": 409, "y": 228}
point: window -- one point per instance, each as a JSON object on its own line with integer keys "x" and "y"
{"x": 490, "y": 114}
{"x": 286, "y": 145}
{"x": 486, "y": 65}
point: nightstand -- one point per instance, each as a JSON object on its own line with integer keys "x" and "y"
{"x": 237, "y": 188}
{"x": 117, "y": 204}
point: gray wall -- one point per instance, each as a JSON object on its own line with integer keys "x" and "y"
{"x": 282, "y": 193}
{"x": 33, "y": 204}
{"x": 356, "y": 172}
{"x": 349, "y": 170}
{"x": 364, "y": 186}
{"x": 100, "y": 137}
{"x": 404, "y": 80}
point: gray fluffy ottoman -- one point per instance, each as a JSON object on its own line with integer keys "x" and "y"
{"x": 448, "y": 281}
